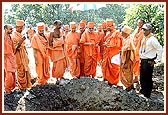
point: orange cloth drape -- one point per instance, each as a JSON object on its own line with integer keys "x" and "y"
{"x": 81, "y": 57}
{"x": 30, "y": 33}
{"x": 113, "y": 45}
{"x": 65, "y": 51}
{"x": 22, "y": 61}
{"x": 101, "y": 36}
{"x": 137, "y": 39}
{"x": 126, "y": 73}
{"x": 90, "y": 52}
{"x": 58, "y": 57}
{"x": 40, "y": 45}
{"x": 72, "y": 51}
{"x": 9, "y": 64}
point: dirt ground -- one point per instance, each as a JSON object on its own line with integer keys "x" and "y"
{"x": 85, "y": 94}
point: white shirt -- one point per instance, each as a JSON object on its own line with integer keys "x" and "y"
{"x": 153, "y": 47}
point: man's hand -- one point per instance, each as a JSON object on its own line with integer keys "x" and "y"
{"x": 104, "y": 44}
{"x": 74, "y": 47}
{"x": 20, "y": 42}
{"x": 151, "y": 63}
{"x": 89, "y": 43}
{"x": 36, "y": 62}
{"x": 97, "y": 44}
{"x": 23, "y": 38}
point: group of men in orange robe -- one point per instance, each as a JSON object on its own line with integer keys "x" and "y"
{"x": 79, "y": 50}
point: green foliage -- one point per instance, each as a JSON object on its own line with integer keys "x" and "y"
{"x": 121, "y": 13}
{"x": 34, "y": 13}
{"x": 151, "y": 13}
{"x": 114, "y": 11}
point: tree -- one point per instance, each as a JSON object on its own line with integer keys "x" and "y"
{"x": 151, "y": 13}
{"x": 10, "y": 14}
{"x": 48, "y": 13}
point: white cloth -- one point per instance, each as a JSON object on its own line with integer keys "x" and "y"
{"x": 116, "y": 59}
{"x": 153, "y": 47}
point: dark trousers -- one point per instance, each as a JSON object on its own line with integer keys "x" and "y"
{"x": 146, "y": 82}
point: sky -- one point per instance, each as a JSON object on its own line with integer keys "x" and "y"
{"x": 6, "y": 5}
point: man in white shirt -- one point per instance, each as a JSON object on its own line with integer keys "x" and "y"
{"x": 150, "y": 54}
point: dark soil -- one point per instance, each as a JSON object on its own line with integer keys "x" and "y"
{"x": 86, "y": 94}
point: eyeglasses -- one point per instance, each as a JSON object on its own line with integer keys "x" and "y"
{"x": 91, "y": 28}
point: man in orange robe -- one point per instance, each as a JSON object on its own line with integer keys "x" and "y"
{"x": 82, "y": 27}
{"x": 104, "y": 27}
{"x": 101, "y": 36}
{"x": 90, "y": 42}
{"x": 47, "y": 32}
{"x": 66, "y": 31}
{"x": 40, "y": 44}
{"x": 47, "y": 35}
{"x": 127, "y": 59}
{"x": 9, "y": 60}
{"x": 138, "y": 36}
{"x": 56, "y": 43}
{"x": 72, "y": 48}
{"x": 112, "y": 44}
{"x": 21, "y": 57}
{"x": 51, "y": 28}
{"x": 30, "y": 32}
{"x": 83, "y": 21}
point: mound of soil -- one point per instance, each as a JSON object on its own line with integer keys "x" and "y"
{"x": 86, "y": 94}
